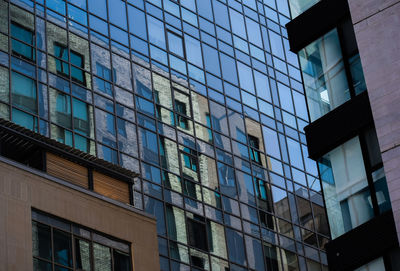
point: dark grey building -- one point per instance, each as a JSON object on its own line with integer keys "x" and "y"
{"x": 201, "y": 97}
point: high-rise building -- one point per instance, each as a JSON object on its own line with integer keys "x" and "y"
{"x": 349, "y": 60}
{"x": 202, "y": 98}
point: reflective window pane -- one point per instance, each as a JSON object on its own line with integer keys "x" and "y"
{"x": 344, "y": 181}
{"x": 324, "y": 76}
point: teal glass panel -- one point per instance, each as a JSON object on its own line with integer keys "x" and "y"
{"x": 24, "y": 119}
{"x": 297, "y": 7}
{"x": 26, "y": 36}
{"x": 23, "y": 91}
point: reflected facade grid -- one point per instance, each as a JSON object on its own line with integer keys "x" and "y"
{"x": 202, "y": 98}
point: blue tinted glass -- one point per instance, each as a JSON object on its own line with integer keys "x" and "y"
{"x": 79, "y": 3}
{"x": 77, "y": 14}
{"x": 117, "y": 13}
{"x": 193, "y": 51}
{"x": 272, "y": 147}
{"x": 237, "y": 23}
{"x": 175, "y": 44}
{"x": 145, "y": 106}
{"x": 227, "y": 182}
{"x": 246, "y": 77}
{"x": 148, "y": 146}
{"x": 98, "y": 7}
{"x": 204, "y": 9}
{"x": 56, "y": 5}
{"x": 276, "y": 44}
{"x": 245, "y": 187}
{"x": 262, "y": 86}
{"x": 98, "y": 25}
{"x": 137, "y": 22}
{"x": 156, "y": 31}
{"x": 253, "y": 30}
{"x": 235, "y": 246}
{"x": 211, "y": 61}
{"x": 108, "y": 154}
{"x": 119, "y": 35}
{"x": 228, "y": 68}
{"x": 222, "y": 18}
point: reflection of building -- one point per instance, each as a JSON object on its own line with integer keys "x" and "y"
{"x": 350, "y": 115}
{"x": 202, "y": 98}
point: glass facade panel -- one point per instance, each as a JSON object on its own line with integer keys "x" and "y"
{"x": 196, "y": 96}
{"x": 297, "y": 7}
{"x": 324, "y": 75}
{"x": 344, "y": 180}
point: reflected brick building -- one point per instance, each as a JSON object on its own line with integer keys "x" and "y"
{"x": 201, "y": 98}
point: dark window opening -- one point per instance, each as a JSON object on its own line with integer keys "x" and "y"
{"x": 197, "y": 233}
{"x": 181, "y": 118}
{"x": 56, "y": 242}
{"x": 255, "y": 155}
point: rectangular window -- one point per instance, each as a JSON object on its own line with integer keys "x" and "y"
{"x": 22, "y": 41}
{"x": 181, "y": 121}
{"x": 254, "y": 149}
{"x": 175, "y": 44}
{"x": 190, "y": 158}
{"x": 197, "y": 233}
{"x": 63, "y": 245}
{"x": 62, "y": 66}
{"x": 324, "y": 75}
{"x": 23, "y": 90}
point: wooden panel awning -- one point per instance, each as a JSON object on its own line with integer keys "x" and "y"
{"x": 25, "y": 140}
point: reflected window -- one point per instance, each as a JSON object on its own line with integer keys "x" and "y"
{"x": 23, "y": 90}
{"x": 67, "y": 246}
{"x": 197, "y": 232}
{"x": 190, "y": 158}
{"x": 22, "y": 41}
{"x": 254, "y": 152}
{"x": 105, "y": 73}
{"x": 181, "y": 121}
{"x": 62, "y": 66}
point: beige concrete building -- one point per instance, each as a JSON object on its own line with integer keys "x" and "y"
{"x": 86, "y": 212}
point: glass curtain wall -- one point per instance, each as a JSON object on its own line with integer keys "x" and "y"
{"x": 201, "y": 97}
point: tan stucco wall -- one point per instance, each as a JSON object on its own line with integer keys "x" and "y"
{"x": 377, "y": 30}
{"x": 21, "y": 190}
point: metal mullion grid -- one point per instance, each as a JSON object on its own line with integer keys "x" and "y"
{"x": 9, "y": 60}
{"x": 230, "y": 141}
{"x": 252, "y": 173}
{"x": 113, "y": 87}
{"x": 91, "y": 77}
{"x": 70, "y": 74}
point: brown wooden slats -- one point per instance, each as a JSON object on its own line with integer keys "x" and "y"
{"x": 67, "y": 170}
{"x": 111, "y": 187}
